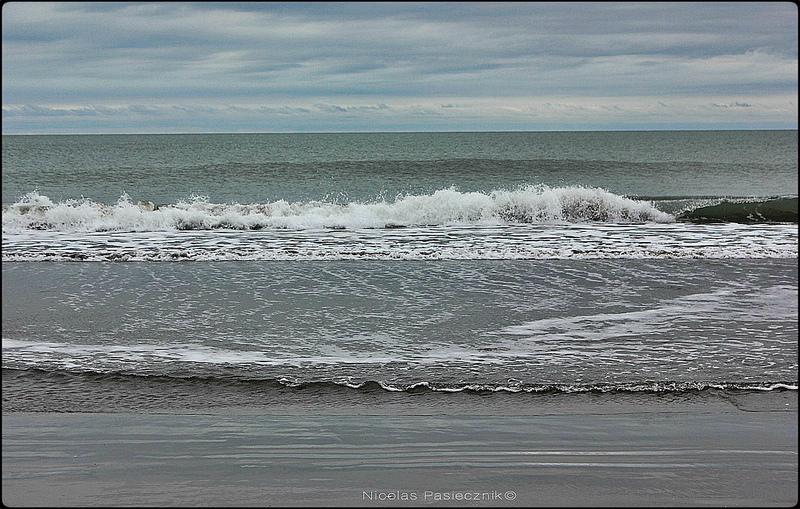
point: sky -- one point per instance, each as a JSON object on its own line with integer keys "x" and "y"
{"x": 322, "y": 67}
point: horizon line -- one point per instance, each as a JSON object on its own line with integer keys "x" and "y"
{"x": 405, "y": 132}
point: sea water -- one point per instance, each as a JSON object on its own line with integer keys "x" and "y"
{"x": 526, "y": 263}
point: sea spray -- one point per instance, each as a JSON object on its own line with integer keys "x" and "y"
{"x": 529, "y": 204}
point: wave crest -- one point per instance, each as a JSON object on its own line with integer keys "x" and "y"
{"x": 511, "y": 386}
{"x": 776, "y": 210}
{"x": 530, "y": 204}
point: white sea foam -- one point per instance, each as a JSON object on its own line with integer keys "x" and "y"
{"x": 53, "y": 354}
{"x": 149, "y": 360}
{"x": 530, "y": 204}
{"x": 527, "y": 223}
{"x": 452, "y": 242}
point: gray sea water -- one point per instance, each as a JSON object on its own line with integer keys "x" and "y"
{"x": 261, "y": 168}
{"x": 521, "y": 263}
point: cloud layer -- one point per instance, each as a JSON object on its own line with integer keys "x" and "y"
{"x": 182, "y": 67}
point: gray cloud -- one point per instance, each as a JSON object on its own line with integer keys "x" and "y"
{"x": 336, "y": 108}
{"x": 736, "y": 104}
{"x": 397, "y": 61}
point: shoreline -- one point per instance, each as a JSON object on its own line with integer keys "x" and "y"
{"x": 65, "y": 392}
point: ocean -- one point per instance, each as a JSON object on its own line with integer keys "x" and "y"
{"x": 560, "y": 318}
{"x": 548, "y": 263}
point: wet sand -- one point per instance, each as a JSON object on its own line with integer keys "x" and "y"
{"x": 712, "y": 455}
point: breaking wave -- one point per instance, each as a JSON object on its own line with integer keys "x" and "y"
{"x": 511, "y": 386}
{"x": 526, "y": 205}
{"x": 745, "y": 211}
{"x": 548, "y": 388}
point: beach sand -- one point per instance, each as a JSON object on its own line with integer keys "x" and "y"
{"x": 582, "y": 449}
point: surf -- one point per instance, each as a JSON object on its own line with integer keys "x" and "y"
{"x": 538, "y": 204}
{"x": 775, "y": 210}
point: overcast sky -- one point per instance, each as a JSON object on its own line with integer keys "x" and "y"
{"x": 273, "y": 67}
